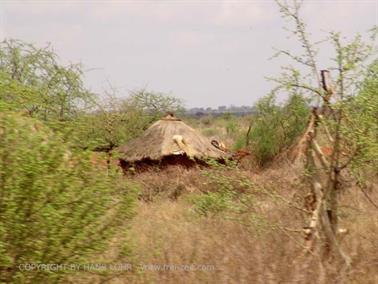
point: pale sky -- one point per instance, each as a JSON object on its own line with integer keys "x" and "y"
{"x": 208, "y": 53}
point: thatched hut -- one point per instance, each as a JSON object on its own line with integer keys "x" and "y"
{"x": 169, "y": 141}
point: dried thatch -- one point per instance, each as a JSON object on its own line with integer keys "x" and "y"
{"x": 170, "y": 137}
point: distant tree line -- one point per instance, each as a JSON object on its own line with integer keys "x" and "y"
{"x": 220, "y": 110}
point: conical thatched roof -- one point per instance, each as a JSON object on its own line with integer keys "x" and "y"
{"x": 170, "y": 136}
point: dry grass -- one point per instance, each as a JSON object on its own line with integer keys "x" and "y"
{"x": 169, "y": 183}
{"x": 261, "y": 245}
{"x": 170, "y": 234}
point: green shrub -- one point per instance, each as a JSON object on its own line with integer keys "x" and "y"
{"x": 231, "y": 127}
{"x": 276, "y": 127}
{"x": 230, "y": 194}
{"x": 33, "y": 80}
{"x": 55, "y": 206}
{"x": 222, "y": 194}
{"x": 361, "y": 126}
{"x": 212, "y": 203}
{"x": 240, "y": 142}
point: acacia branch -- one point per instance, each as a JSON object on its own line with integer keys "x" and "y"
{"x": 309, "y": 88}
{"x": 295, "y": 58}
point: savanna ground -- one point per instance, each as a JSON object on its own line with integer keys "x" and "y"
{"x": 269, "y": 219}
{"x": 231, "y": 224}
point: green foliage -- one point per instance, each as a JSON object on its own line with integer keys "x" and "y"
{"x": 213, "y": 203}
{"x": 231, "y": 126}
{"x": 361, "y": 124}
{"x": 15, "y": 96}
{"x": 230, "y": 194}
{"x": 276, "y": 127}
{"x": 295, "y": 113}
{"x": 225, "y": 194}
{"x": 240, "y": 142}
{"x": 155, "y": 105}
{"x": 113, "y": 124}
{"x": 55, "y": 206}
{"x": 115, "y": 121}
{"x": 264, "y": 134}
{"x": 32, "y": 80}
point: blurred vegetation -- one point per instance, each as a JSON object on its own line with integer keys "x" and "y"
{"x": 55, "y": 205}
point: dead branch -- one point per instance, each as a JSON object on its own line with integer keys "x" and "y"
{"x": 320, "y": 154}
{"x": 368, "y": 198}
{"x": 301, "y": 146}
{"x": 325, "y": 127}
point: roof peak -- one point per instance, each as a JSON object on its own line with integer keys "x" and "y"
{"x": 170, "y": 116}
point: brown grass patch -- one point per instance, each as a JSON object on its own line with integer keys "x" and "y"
{"x": 261, "y": 245}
